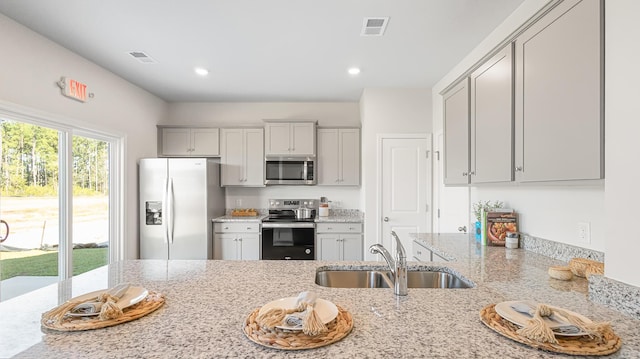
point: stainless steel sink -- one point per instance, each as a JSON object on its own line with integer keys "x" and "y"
{"x": 383, "y": 279}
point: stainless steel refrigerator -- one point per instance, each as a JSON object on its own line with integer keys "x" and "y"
{"x": 178, "y": 199}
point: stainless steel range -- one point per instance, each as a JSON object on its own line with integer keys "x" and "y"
{"x": 289, "y": 230}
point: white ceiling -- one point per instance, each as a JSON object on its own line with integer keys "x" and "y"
{"x": 266, "y": 51}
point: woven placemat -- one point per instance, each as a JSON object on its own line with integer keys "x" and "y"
{"x": 579, "y": 345}
{"x": 295, "y": 339}
{"x": 152, "y": 302}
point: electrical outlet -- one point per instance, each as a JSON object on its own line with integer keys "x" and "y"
{"x": 584, "y": 232}
{"x": 239, "y": 203}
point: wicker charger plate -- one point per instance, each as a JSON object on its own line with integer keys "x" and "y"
{"x": 295, "y": 339}
{"x": 49, "y": 319}
{"x": 582, "y": 345}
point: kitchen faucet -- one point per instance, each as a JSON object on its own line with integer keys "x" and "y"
{"x": 398, "y": 265}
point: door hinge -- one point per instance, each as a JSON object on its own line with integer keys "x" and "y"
{"x": 427, "y": 207}
{"x": 438, "y": 212}
{"x": 427, "y": 153}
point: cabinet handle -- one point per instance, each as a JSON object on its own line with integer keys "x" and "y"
{"x": 419, "y": 252}
{"x": 226, "y": 227}
{"x": 239, "y": 239}
{"x": 386, "y": 219}
{"x": 329, "y": 228}
{"x": 465, "y": 173}
{"x": 518, "y": 168}
{"x": 472, "y": 173}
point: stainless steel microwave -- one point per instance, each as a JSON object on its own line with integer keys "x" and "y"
{"x": 289, "y": 171}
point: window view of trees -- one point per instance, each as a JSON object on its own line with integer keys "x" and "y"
{"x": 30, "y": 162}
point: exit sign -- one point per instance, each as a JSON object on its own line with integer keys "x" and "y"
{"x": 74, "y": 89}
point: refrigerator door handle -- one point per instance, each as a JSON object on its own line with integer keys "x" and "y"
{"x": 165, "y": 210}
{"x": 170, "y": 205}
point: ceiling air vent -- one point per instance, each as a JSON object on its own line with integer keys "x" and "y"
{"x": 142, "y": 57}
{"x": 374, "y": 26}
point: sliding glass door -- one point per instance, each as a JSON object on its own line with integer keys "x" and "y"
{"x": 30, "y": 207}
{"x": 56, "y": 203}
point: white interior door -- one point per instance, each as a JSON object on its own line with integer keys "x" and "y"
{"x": 405, "y": 188}
{"x": 451, "y": 203}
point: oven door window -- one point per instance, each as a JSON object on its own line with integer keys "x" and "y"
{"x": 285, "y": 170}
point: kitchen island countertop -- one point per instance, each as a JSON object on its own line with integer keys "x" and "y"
{"x": 208, "y": 301}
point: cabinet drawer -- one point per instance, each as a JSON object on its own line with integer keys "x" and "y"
{"x": 420, "y": 253}
{"x": 237, "y": 227}
{"x": 339, "y": 227}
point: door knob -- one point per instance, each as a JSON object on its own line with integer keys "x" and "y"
{"x": 386, "y": 219}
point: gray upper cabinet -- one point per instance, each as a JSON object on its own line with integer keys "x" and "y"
{"x": 559, "y": 120}
{"x": 338, "y": 157}
{"x": 492, "y": 119}
{"x": 290, "y": 138}
{"x": 456, "y": 134}
{"x": 242, "y": 157}
{"x": 191, "y": 142}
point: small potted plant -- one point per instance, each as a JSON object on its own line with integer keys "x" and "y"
{"x": 480, "y": 207}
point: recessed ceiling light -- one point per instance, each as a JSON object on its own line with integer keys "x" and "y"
{"x": 201, "y": 71}
{"x": 354, "y": 71}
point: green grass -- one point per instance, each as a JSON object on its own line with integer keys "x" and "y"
{"x": 47, "y": 264}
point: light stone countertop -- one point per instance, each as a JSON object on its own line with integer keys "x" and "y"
{"x": 337, "y": 216}
{"x": 207, "y": 302}
{"x": 229, "y": 218}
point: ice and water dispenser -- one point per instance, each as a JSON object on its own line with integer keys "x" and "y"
{"x": 154, "y": 212}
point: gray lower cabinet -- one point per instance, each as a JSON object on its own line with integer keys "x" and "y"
{"x": 423, "y": 254}
{"x": 236, "y": 241}
{"x": 559, "y": 111}
{"x": 456, "y": 134}
{"x": 339, "y": 241}
{"x": 492, "y": 119}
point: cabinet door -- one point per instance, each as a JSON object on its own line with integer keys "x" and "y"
{"x": 277, "y": 139}
{"x": 176, "y": 142}
{"x": 492, "y": 119}
{"x": 351, "y": 247}
{"x": 328, "y": 157}
{"x": 227, "y": 245}
{"x": 456, "y": 134}
{"x": 329, "y": 248}
{"x": 249, "y": 245}
{"x": 254, "y": 157}
{"x": 559, "y": 123}
{"x": 303, "y": 138}
{"x": 232, "y": 157}
{"x": 349, "y": 144}
{"x": 205, "y": 142}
